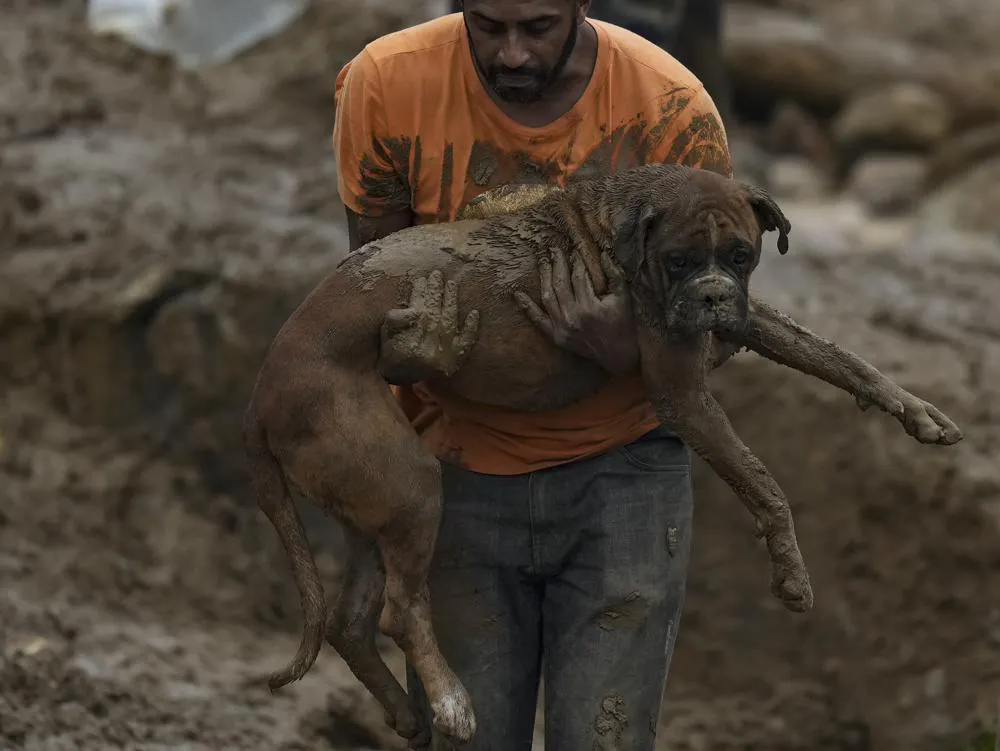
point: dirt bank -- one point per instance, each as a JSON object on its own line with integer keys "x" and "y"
{"x": 155, "y": 230}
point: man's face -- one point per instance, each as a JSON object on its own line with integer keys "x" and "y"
{"x": 521, "y": 46}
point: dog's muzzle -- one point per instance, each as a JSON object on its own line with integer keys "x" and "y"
{"x": 715, "y": 292}
{"x": 715, "y": 303}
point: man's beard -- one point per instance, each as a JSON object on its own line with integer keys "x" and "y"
{"x": 525, "y": 84}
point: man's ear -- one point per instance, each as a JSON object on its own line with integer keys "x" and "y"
{"x": 769, "y": 215}
{"x": 582, "y": 9}
{"x": 629, "y": 241}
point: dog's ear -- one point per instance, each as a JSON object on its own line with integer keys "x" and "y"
{"x": 630, "y": 232}
{"x": 769, "y": 215}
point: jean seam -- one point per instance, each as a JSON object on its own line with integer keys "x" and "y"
{"x": 535, "y": 565}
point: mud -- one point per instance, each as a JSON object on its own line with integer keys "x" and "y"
{"x": 155, "y": 230}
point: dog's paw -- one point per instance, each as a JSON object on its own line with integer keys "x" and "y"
{"x": 453, "y": 715}
{"x": 793, "y": 589}
{"x": 927, "y": 423}
{"x": 407, "y": 725}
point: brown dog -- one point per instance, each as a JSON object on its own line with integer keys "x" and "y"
{"x": 322, "y": 420}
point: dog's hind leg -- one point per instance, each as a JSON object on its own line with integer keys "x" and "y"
{"x": 369, "y": 466}
{"x": 407, "y": 544}
{"x": 352, "y": 625}
{"x": 675, "y": 373}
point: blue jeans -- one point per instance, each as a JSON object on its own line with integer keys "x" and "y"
{"x": 576, "y": 574}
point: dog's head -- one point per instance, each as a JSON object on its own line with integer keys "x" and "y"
{"x": 688, "y": 241}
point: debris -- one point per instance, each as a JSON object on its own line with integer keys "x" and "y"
{"x": 196, "y": 33}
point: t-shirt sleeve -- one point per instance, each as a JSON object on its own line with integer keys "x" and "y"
{"x": 699, "y": 138}
{"x": 369, "y": 181}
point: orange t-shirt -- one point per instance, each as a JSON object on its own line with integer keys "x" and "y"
{"x": 415, "y": 129}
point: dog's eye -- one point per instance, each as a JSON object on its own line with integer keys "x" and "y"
{"x": 677, "y": 262}
{"x": 740, "y": 257}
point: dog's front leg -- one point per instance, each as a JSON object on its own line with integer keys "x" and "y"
{"x": 779, "y": 338}
{"x": 675, "y": 373}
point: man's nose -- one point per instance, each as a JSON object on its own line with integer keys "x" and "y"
{"x": 513, "y": 53}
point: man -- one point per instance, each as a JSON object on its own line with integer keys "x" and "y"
{"x": 690, "y": 30}
{"x": 657, "y": 21}
{"x": 565, "y": 538}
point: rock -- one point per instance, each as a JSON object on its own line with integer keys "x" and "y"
{"x": 796, "y": 178}
{"x": 749, "y": 160}
{"x": 962, "y": 151}
{"x": 969, "y": 201}
{"x": 787, "y": 55}
{"x": 967, "y": 27}
{"x": 887, "y": 183}
{"x": 793, "y": 130}
{"x": 145, "y": 286}
{"x": 904, "y": 115}
{"x": 935, "y": 683}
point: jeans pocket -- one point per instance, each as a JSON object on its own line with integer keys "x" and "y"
{"x": 659, "y": 450}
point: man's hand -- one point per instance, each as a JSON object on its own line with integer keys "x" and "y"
{"x": 576, "y": 319}
{"x": 423, "y": 341}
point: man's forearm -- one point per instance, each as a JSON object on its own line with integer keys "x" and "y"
{"x": 362, "y": 230}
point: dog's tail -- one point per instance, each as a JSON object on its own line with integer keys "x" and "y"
{"x": 275, "y": 501}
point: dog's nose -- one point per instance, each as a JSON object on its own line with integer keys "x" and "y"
{"x": 715, "y": 295}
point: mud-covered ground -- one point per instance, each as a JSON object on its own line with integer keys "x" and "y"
{"x": 155, "y": 229}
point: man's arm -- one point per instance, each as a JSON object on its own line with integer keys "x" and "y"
{"x": 371, "y": 184}
{"x": 422, "y": 340}
{"x": 376, "y": 198}
{"x": 364, "y": 229}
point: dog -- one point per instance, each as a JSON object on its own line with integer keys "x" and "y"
{"x": 321, "y": 419}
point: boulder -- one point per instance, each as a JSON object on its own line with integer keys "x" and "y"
{"x": 825, "y": 65}
{"x": 888, "y": 183}
{"x": 965, "y": 27}
{"x": 899, "y": 116}
{"x": 142, "y": 292}
{"x": 796, "y": 178}
{"x": 969, "y": 200}
{"x": 794, "y": 131}
{"x": 961, "y": 152}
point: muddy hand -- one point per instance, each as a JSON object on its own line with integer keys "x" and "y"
{"x": 424, "y": 340}
{"x": 575, "y": 318}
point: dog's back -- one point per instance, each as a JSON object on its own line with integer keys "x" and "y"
{"x": 338, "y": 325}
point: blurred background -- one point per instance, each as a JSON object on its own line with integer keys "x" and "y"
{"x": 165, "y": 203}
